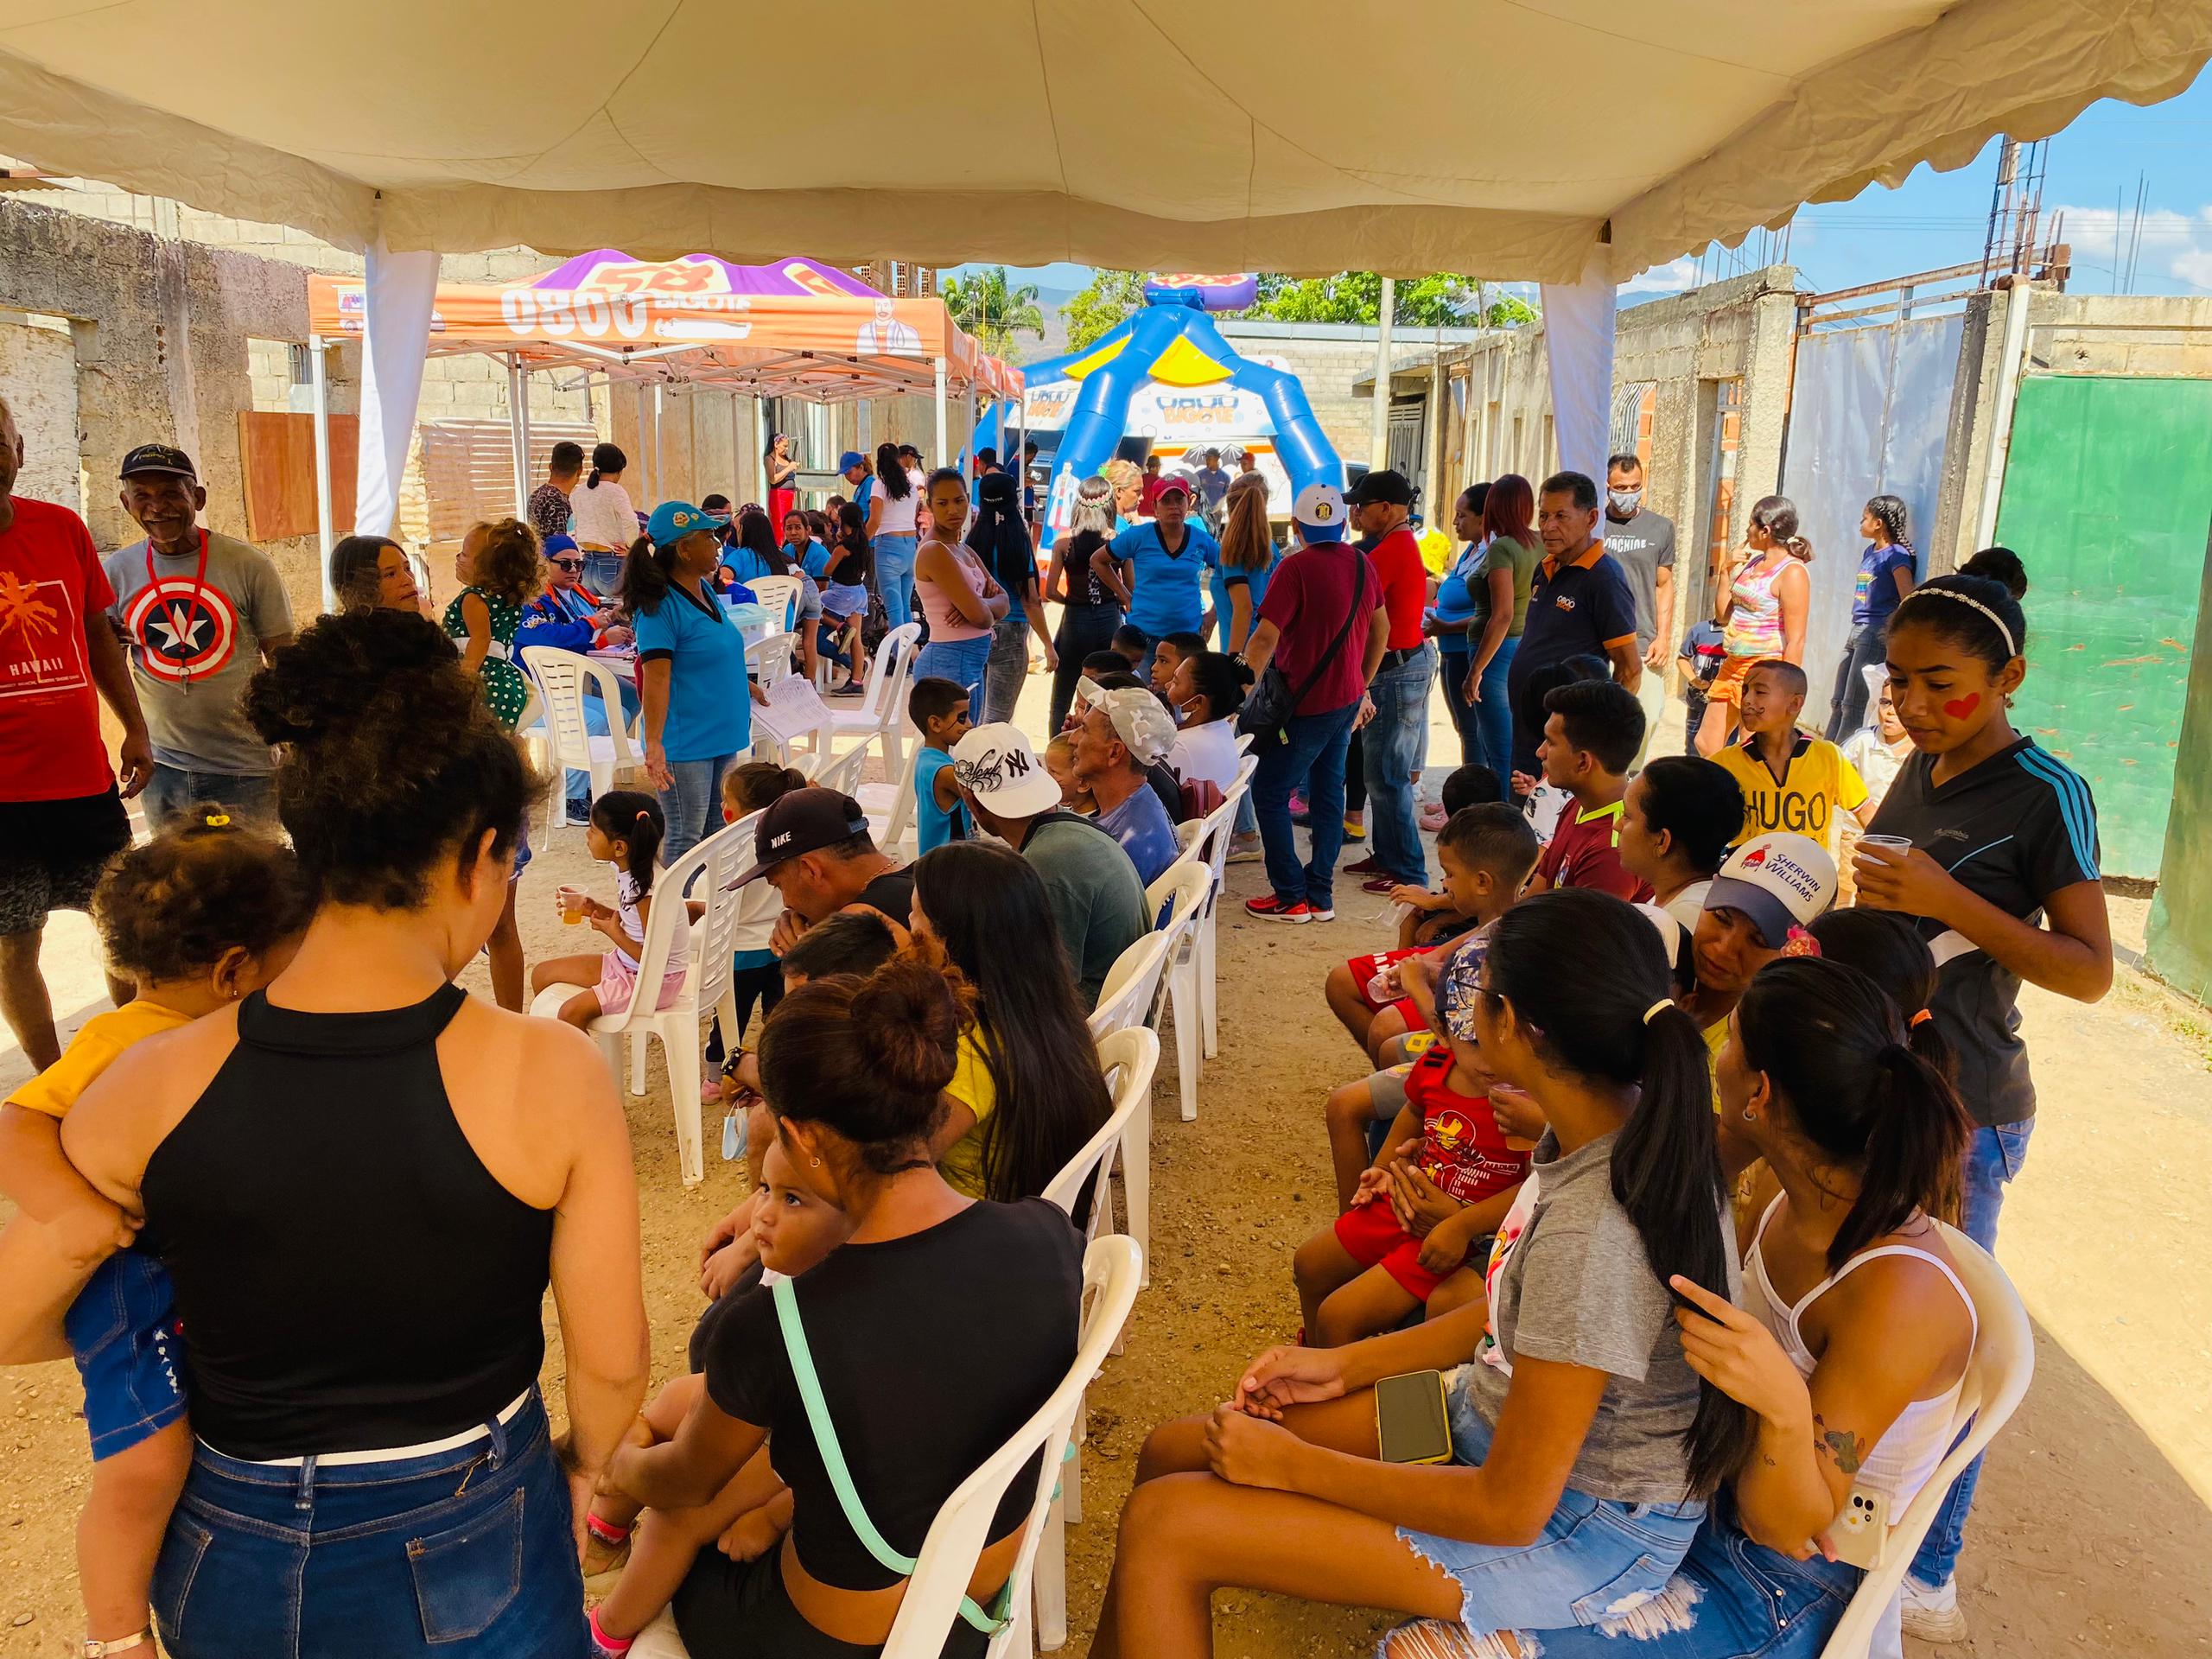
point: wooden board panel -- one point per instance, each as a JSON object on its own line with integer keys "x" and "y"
{"x": 276, "y": 457}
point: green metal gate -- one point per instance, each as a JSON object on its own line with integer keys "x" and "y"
{"x": 2108, "y": 494}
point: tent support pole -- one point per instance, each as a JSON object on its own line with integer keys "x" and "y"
{"x": 1021, "y": 462}
{"x": 942, "y": 453}
{"x": 736, "y": 448}
{"x": 318, "y": 381}
{"x": 2001, "y": 427}
{"x": 657, "y": 492}
{"x": 1379, "y": 432}
{"x": 518, "y": 430}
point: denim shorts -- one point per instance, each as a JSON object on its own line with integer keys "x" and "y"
{"x": 1596, "y": 1559}
{"x": 122, "y": 1331}
{"x": 465, "y": 1554}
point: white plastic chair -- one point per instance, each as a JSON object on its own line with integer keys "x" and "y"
{"x": 1221, "y": 828}
{"x": 1183, "y": 888}
{"x": 883, "y": 709}
{"x": 1997, "y": 1373}
{"x": 779, "y": 597}
{"x": 714, "y": 864}
{"x": 1129, "y": 1057}
{"x": 1125, "y": 996}
{"x": 890, "y": 807}
{"x": 844, "y": 773}
{"x": 559, "y": 677}
{"x": 1111, "y": 1268}
{"x": 769, "y": 658}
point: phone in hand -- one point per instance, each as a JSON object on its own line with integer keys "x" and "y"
{"x": 1410, "y": 1423}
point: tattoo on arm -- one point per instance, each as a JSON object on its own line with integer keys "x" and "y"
{"x": 1841, "y": 1444}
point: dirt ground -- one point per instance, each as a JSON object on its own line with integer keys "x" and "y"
{"x": 2094, "y": 1520}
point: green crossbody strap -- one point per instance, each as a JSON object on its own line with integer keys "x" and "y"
{"x": 990, "y": 1622}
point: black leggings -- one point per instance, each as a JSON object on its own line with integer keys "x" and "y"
{"x": 739, "y": 1610}
{"x": 763, "y": 985}
{"x": 1083, "y": 629}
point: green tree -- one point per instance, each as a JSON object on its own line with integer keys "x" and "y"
{"x": 993, "y": 311}
{"x": 1110, "y": 297}
{"x": 1357, "y": 296}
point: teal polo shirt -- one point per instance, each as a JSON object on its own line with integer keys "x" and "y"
{"x": 709, "y": 703}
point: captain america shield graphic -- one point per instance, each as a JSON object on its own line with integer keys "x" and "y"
{"x": 184, "y": 630}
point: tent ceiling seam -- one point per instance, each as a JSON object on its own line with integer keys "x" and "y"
{"x": 601, "y": 108}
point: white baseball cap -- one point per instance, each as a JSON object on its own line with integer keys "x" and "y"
{"x": 1780, "y": 881}
{"x": 996, "y": 765}
{"x": 1140, "y": 719}
{"x": 1320, "y": 512}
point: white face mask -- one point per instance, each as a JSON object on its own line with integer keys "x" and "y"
{"x": 1625, "y": 502}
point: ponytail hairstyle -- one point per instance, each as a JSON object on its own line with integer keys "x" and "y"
{"x": 1245, "y": 543}
{"x": 758, "y": 784}
{"x": 1221, "y": 680}
{"x": 1974, "y": 612}
{"x": 634, "y": 818}
{"x": 891, "y": 471}
{"x": 1889, "y": 512}
{"x": 999, "y": 537}
{"x": 756, "y": 535}
{"x": 1591, "y": 985}
{"x": 647, "y": 574}
{"x": 1888, "y": 948}
{"x": 868, "y": 1058}
{"x": 1509, "y": 511}
{"x": 1777, "y": 516}
{"x": 1831, "y": 1044}
{"x": 988, "y": 906}
{"x": 605, "y": 458}
{"x": 851, "y": 535}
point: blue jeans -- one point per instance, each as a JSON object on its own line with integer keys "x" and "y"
{"x": 1731, "y": 1597}
{"x": 894, "y": 576}
{"x": 1867, "y": 646}
{"x": 173, "y": 794}
{"x": 960, "y": 661}
{"x": 1452, "y": 669}
{"x": 1494, "y": 714}
{"x": 1393, "y": 741}
{"x": 1310, "y": 756}
{"x": 1994, "y": 1158}
{"x": 694, "y": 806}
{"x": 463, "y": 1554}
{"x": 1009, "y": 665}
{"x": 603, "y": 572}
{"x": 1594, "y": 1554}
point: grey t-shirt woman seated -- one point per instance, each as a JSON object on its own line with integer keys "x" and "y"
{"x": 1584, "y": 1449}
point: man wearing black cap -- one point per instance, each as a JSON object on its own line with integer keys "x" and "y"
{"x": 62, "y": 816}
{"x": 813, "y": 845}
{"x": 197, "y": 614}
{"x": 1393, "y": 737}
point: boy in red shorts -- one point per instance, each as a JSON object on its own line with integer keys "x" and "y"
{"x": 1446, "y": 1177}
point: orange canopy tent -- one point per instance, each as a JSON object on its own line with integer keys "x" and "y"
{"x": 793, "y": 328}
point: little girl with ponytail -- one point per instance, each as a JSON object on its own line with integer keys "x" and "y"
{"x": 626, "y": 831}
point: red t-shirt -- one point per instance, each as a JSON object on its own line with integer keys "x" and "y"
{"x": 1148, "y": 495}
{"x": 1405, "y": 585}
{"x": 1306, "y": 599}
{"x": 50, "y": 582}
{"x": 1585, "y": 852}
{"x": 1462, "y": 1149}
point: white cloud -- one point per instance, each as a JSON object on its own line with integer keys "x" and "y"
{"x": 2170, "y": 244}
{"x": 1670, "y": 278}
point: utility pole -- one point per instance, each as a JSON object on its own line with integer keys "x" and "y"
{"x": 1379, "y": 450}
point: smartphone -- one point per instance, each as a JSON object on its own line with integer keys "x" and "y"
{"x": 1860, "y": 1529}
{"x": 1410, "y": 1424}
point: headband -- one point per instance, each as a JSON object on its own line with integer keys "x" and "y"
{"x": 2003, "y": 632}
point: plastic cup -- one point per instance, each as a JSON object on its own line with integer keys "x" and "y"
{"x": 572, "y": 904}
{"x": 1900, "y": 845}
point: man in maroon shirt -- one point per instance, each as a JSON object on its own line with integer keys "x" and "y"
{"x": 1311, "y": 627}
{"x": 61, "y": 817}
{"x": 1393, "y": 737}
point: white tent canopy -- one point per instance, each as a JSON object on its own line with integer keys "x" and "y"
{"x": 1572, "y": 142}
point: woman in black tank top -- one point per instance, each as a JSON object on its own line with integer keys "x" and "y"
{"x": 362, "y": 1181}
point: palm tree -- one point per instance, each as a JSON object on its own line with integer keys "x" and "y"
{"x": 993, "y": 309}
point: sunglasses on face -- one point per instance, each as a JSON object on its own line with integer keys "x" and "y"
{"x": 569, "y": 564}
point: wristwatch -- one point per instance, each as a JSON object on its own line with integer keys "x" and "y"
{"x": 92, "y": 1650}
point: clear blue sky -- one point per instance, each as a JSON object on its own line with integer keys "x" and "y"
{"x": 1934, "y": 219}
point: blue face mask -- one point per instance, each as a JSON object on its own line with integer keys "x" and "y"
{"x": 718, "y": 517}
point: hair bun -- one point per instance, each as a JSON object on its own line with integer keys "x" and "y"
{"x": 359, "y": 669}
{"x": 907, "y": 1025}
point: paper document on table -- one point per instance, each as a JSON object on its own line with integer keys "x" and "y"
{"x": 793, "y": 709}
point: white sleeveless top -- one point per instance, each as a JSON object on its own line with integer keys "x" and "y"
{"x": 1902, "y": 1459}
{"x": 898, "y": 517}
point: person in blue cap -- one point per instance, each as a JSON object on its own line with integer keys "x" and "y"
{"x": 568, "y": 616}
{"x": 698, "y": 701}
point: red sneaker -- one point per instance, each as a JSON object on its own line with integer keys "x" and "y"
{"x": 1268, "y": 908}
{"x": 1382, "y": 884}
{"x": 1365, "y": 867}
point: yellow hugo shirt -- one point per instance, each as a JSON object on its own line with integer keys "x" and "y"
{"x": 1817, "y": 787}
{"x": 97, "y": 1047}
{"x": 962, "y": 1163}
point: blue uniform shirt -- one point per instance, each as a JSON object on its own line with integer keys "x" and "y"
{"x": 1167, "y": 591}
{"x": 710, "y": 703}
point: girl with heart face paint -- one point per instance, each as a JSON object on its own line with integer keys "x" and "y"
{"x": 2001, "y": 880}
